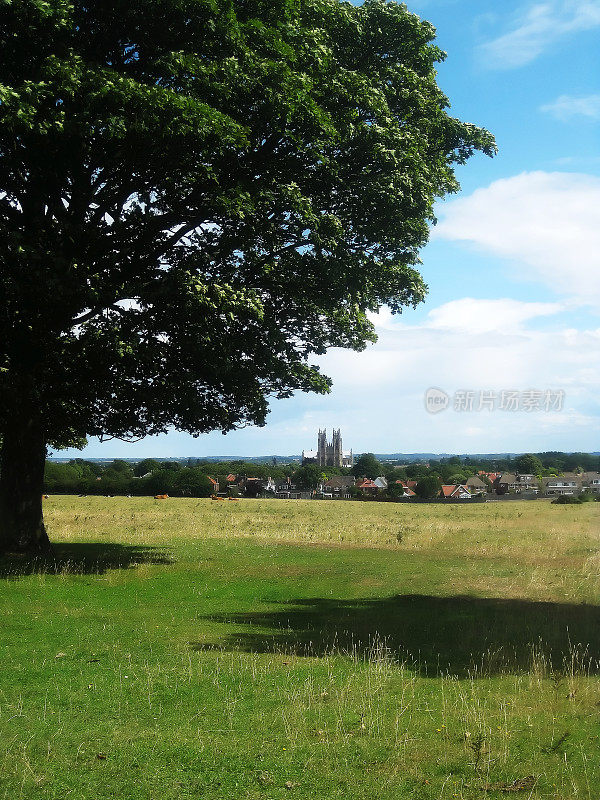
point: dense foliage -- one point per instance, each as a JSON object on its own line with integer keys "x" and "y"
{"x": 196, "y": 196}
{"x": 367, "y": 466}
{"x": 189, "y": 477}
{"x": 208, "y": 192}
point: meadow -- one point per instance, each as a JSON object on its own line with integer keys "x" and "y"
{"x": 303, "y": 649}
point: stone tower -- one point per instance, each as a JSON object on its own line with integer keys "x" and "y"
{"x": 322, "y": 448}
{"x": 337, "y": 455}
{"x": 328, "y": 454}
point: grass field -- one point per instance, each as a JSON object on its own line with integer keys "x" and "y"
{"x": 268, "y": 649}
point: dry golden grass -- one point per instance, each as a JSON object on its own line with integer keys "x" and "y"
{"x": 530, "y": 531}
{"x": 552, "y": 552}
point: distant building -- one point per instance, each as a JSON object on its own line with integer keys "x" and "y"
{"x": 338, "y": 483}
{"x": 367, "y": 486}
{"x": 338, "y": 486}
{"x": 328, "y": 454}
{"x": 455, "y": 492}
{"x": 475, "y": 485}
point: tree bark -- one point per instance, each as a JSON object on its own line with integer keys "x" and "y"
{"x": 22, "y": 462}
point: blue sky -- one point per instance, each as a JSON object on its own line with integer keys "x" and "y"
{"x": 513, "y": 265}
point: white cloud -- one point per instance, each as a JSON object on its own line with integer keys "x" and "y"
{"x": 537, "y": 28}
{"x": 549, "y": 223}
{"x": 485, "y": 316}
{"x": 470, "y": 315}
{"x": 457, "y": 346}
{"x": 379, "y": 394}
{"x": 567, "y": 106}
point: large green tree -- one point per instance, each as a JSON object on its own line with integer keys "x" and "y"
{"x": 196, "y": 196}
{"x": 367, "y": 466}
{"x": 528, "y": 464}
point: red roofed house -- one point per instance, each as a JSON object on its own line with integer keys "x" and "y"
{"x": 367, "y": 486}
{"x": 455, "y": 492}
{"x": 408, "y": 492}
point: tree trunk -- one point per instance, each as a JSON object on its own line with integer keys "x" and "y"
{"x": 22, "y": 481}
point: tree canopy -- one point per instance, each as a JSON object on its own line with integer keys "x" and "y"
{"x": 367, "y": 466}
{"x": 528, "y": 464}
{"x": 198, "y": 196}
{"x": 428, "y": 487}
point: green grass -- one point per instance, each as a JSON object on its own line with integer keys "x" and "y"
{"x": 268, "y": 649}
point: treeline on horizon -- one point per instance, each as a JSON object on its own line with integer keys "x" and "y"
{"x": 190, "y": 477}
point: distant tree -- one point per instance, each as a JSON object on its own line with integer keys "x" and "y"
{"x": 160, "y": 482}
{"x": 367, "y": 466}
{"x": 170, "y": 466}
{"x": 428, "y": 487}
{"x": 308, "y": 477}
{"x": 416, "y": 471}
{"x": 457, "y": 477}
{"x": 528, "y": 464}
{"x": 62, "y": 478}
{"x": 146, "y": 466}
{"x": 395, "y": 491}
{"x": 115, "y": 481}
{"x": 89, "y": 469}
{"x": 391, "y": 472}
{"x": 191, "y": 482}
{"x": 195, "y": 198}
{"x": 121, "y": 466}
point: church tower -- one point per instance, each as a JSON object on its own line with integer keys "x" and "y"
{"x": 322, "y": 448}
{"x": 329, "y": 454}
{"x": 337, "y": 455}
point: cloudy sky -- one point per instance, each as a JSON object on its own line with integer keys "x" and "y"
{"x": 513, "y": 265}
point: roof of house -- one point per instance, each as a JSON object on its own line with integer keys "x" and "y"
{"x": 490, "y": 475}
{"x": 569, "y": 477}
{"x": 231, "y": 477}
{"x": 448, "y": 490}
{"x": 367, "y": 483}
{"x": 507, "y": 477}
{"x": 213, "y": 481}
{"x": 590, "y": 476}
{"x": 475, "y": 480}
{"x": 381, "y": 482}
{"x": 339, "y": 482}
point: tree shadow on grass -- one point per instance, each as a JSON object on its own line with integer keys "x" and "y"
{"x": 80, "y": 558}
{"x": 457, "y": 635}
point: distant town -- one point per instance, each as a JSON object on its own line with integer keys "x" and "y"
{"x": 330, "y": 472}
